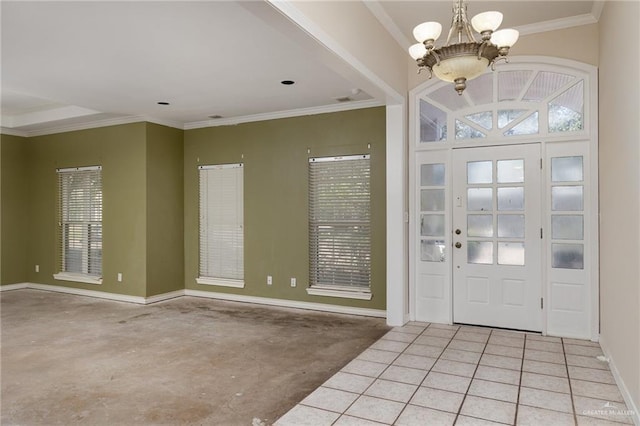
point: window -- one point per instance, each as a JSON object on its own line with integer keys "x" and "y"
{"x": 221, "y": 225}
{"x": 340, "y": 226}
{"x": 80, "y": 224}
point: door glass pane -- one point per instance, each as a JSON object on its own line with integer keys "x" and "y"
{"x": 567, "y": 198}
{"x": 567, "y": 227}
{"x": 480, "y": 225}
{"x": 566, "y": 169}
{"x": 432, "y": 174}
{"x": 480, "y": 199}
{"x": 511, "y": 254}
{"x": 511, "y": 198}
{"x": 480, "y": 252}
{"x": 432, "y": 251}
{"x": 511, "y": 226}
{"x": 528, "y": 126}
{"x": 479, "y": 172}
{"x": 432, "y": 200}
{"x": 432, "y": 225}
{"x": 567, "y": 256}
{"x": 510, "y": 171}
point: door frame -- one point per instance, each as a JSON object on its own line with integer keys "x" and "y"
{"x": 443, "y": 151}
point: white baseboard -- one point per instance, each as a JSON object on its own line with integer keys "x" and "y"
{"x": 631, "y": 404}
{"x": 288, "y": 303}
{"x": 17, "y": 286}
{"x": 199, "y": 293}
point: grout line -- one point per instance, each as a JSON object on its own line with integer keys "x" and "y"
{"x": 471, "y": 381}
{"x": 573, "y": 405}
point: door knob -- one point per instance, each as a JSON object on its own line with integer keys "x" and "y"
{"x": 458, "y": 232}
{"x": 458, "y": 244}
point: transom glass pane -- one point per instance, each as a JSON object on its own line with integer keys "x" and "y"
{"x": 432, "y": 251}
{"x": 432, "y": 200}
{"x": 545, "y": 84}
{"x": 566, "y": 169}
{"x": 511, "y": 199}
{"x": 448, "y": 98}
{"x": 480, "y": 252}
{"x": 567, "y": 227}
{"x": 567, "y": 256}
{"x": 433, "y": 123}
{"x": 511, "y": 83}
{"x": 566, "y": 111}
{"x": 511, "y": 254}
{"x": 506, "y": 116}
{"x": 481, "y": 90}
{"x": 479, "y": 172}
{"x": 511, "y": 226}
{"x": 484, "y": 119}
{"x": 464, "y": 131}
{"x": 480, "y": 199}
{"x": 432, "y": 225}
{"x": 528, "y": 126}
{"x": 480, "y": 225}
{"x": 432, "y": 174}
{"x": 510, "y": 171}
{"x": 566, "y": 198}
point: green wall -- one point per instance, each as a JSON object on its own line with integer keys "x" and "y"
{"x": 14, "y": 192}
{"x": 165, "y": 210}
{"x": 275, "y": 155}
{"x": 121, "y": 151}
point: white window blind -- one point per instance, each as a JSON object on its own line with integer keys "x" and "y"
{"x": 340, "y": 222}
{"x": 80, "y": 220}
{"x": 222, "y": 222}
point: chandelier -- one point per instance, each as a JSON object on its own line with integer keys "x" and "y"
{"x": 463, "y": 60}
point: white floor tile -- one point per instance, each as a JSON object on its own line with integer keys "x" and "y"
{"x": 364, "y": 368}
{"x": 544, "y": 382}
{"x": 414, "y": 361}
{"x": 394, "y": 391}
{"x": 349, "y": 382}
{"x": 376, "y": 355}
{"x": 399, "y": 337}
{"x": 534, "y": 336}
{"x": 501, "y": 362}
{"x": 376, "y": 409}
{"x": 438, "y": 342}
{"x": 596, "y": 390}
{"x": 461, "y": 356}
{"x": 506, "y": 341}
{"x": 467, "y": 346}
{"x": 389, "y": 345}
{"x": 345, "y": 420}
{"x": 489, "y": 409}
{"x": 544, "y": 356}
{"x": 592, "y": 351}
{"x": 447, "y": 382}
{"x": 591, "y": 374}
{"x": 437, "y": 399}
{"x": 580, "y": 342}
{"x": 469, "y": 336}
{"x": 424, "y": 350}
{"x": 439, "y": 332}
{"x": 420, "y": 416}
{"x": 545, "y": 399}
{"x": 503, "y": 351}
{"x": 411, "y": 376}
{"x": 549, "y": 368}
{"x": 601, "y": 409}
{"x": 494, "y": 390}
{"x": 539, "y": 345}
{"x": 454, "y": 367}
{"x": 531, "y": 416}
{"x": 500, "y": 375}
{"x": 410, "y": 329}
{"x": 301, "y": 415}
{"x": 330, "y": 399}
{"x": 472, "y": 421}
{"x": 587, "y": 362}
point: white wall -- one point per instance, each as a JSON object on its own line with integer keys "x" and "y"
{"x": 620, "y": 190}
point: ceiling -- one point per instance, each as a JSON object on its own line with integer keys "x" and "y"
{"x": 73, "y": 64}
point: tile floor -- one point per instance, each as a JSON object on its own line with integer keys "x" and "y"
{"x": 435, "y": 374}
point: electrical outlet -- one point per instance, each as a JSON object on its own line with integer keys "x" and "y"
{"x": 119, "y": 277}
{"x": 269, "y": 280}
{"x": 293, "y": 282}
{"x": 37, "y": 268}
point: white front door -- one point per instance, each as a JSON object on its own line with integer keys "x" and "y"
{"x": 496, "y": 238}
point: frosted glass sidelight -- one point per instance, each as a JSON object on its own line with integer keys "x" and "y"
{"x": 432, "y": 174}
{"x": 479, "y": 172}
{"x": 566, "y": 169}
{"x": 566, "y": 198}
{"x": 432, "y": 225}
{"x": 567, "y": 256}
{"x": 567, "y": 227}
{"x": 432, "y": 251}
{"x": 511, "y": 254}
{"x": 432, "y": 200}
{"x": 480, "y": 252}
{"x": 510, "y": 171}
{"x": 511, "y": 199}
{"x": 480, "y": 225}
{"x": 480, "y": 199}
{"x": 510, "y": 226}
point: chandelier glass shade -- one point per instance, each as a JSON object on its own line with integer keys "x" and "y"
{"x": 462, "y": 60}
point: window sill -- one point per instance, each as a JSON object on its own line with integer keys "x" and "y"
{"x": 345, "y": 293}
{"x": 79, "y": 278}
{"x": 222, "y": 282}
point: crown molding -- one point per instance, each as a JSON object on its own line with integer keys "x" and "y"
{"x": 13, "y": 132}
{"x": 596, "y": 10}
{"x": 388, "y": 23}
{"x": 284, "y": 114}
{"x": 557, "y": 24}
